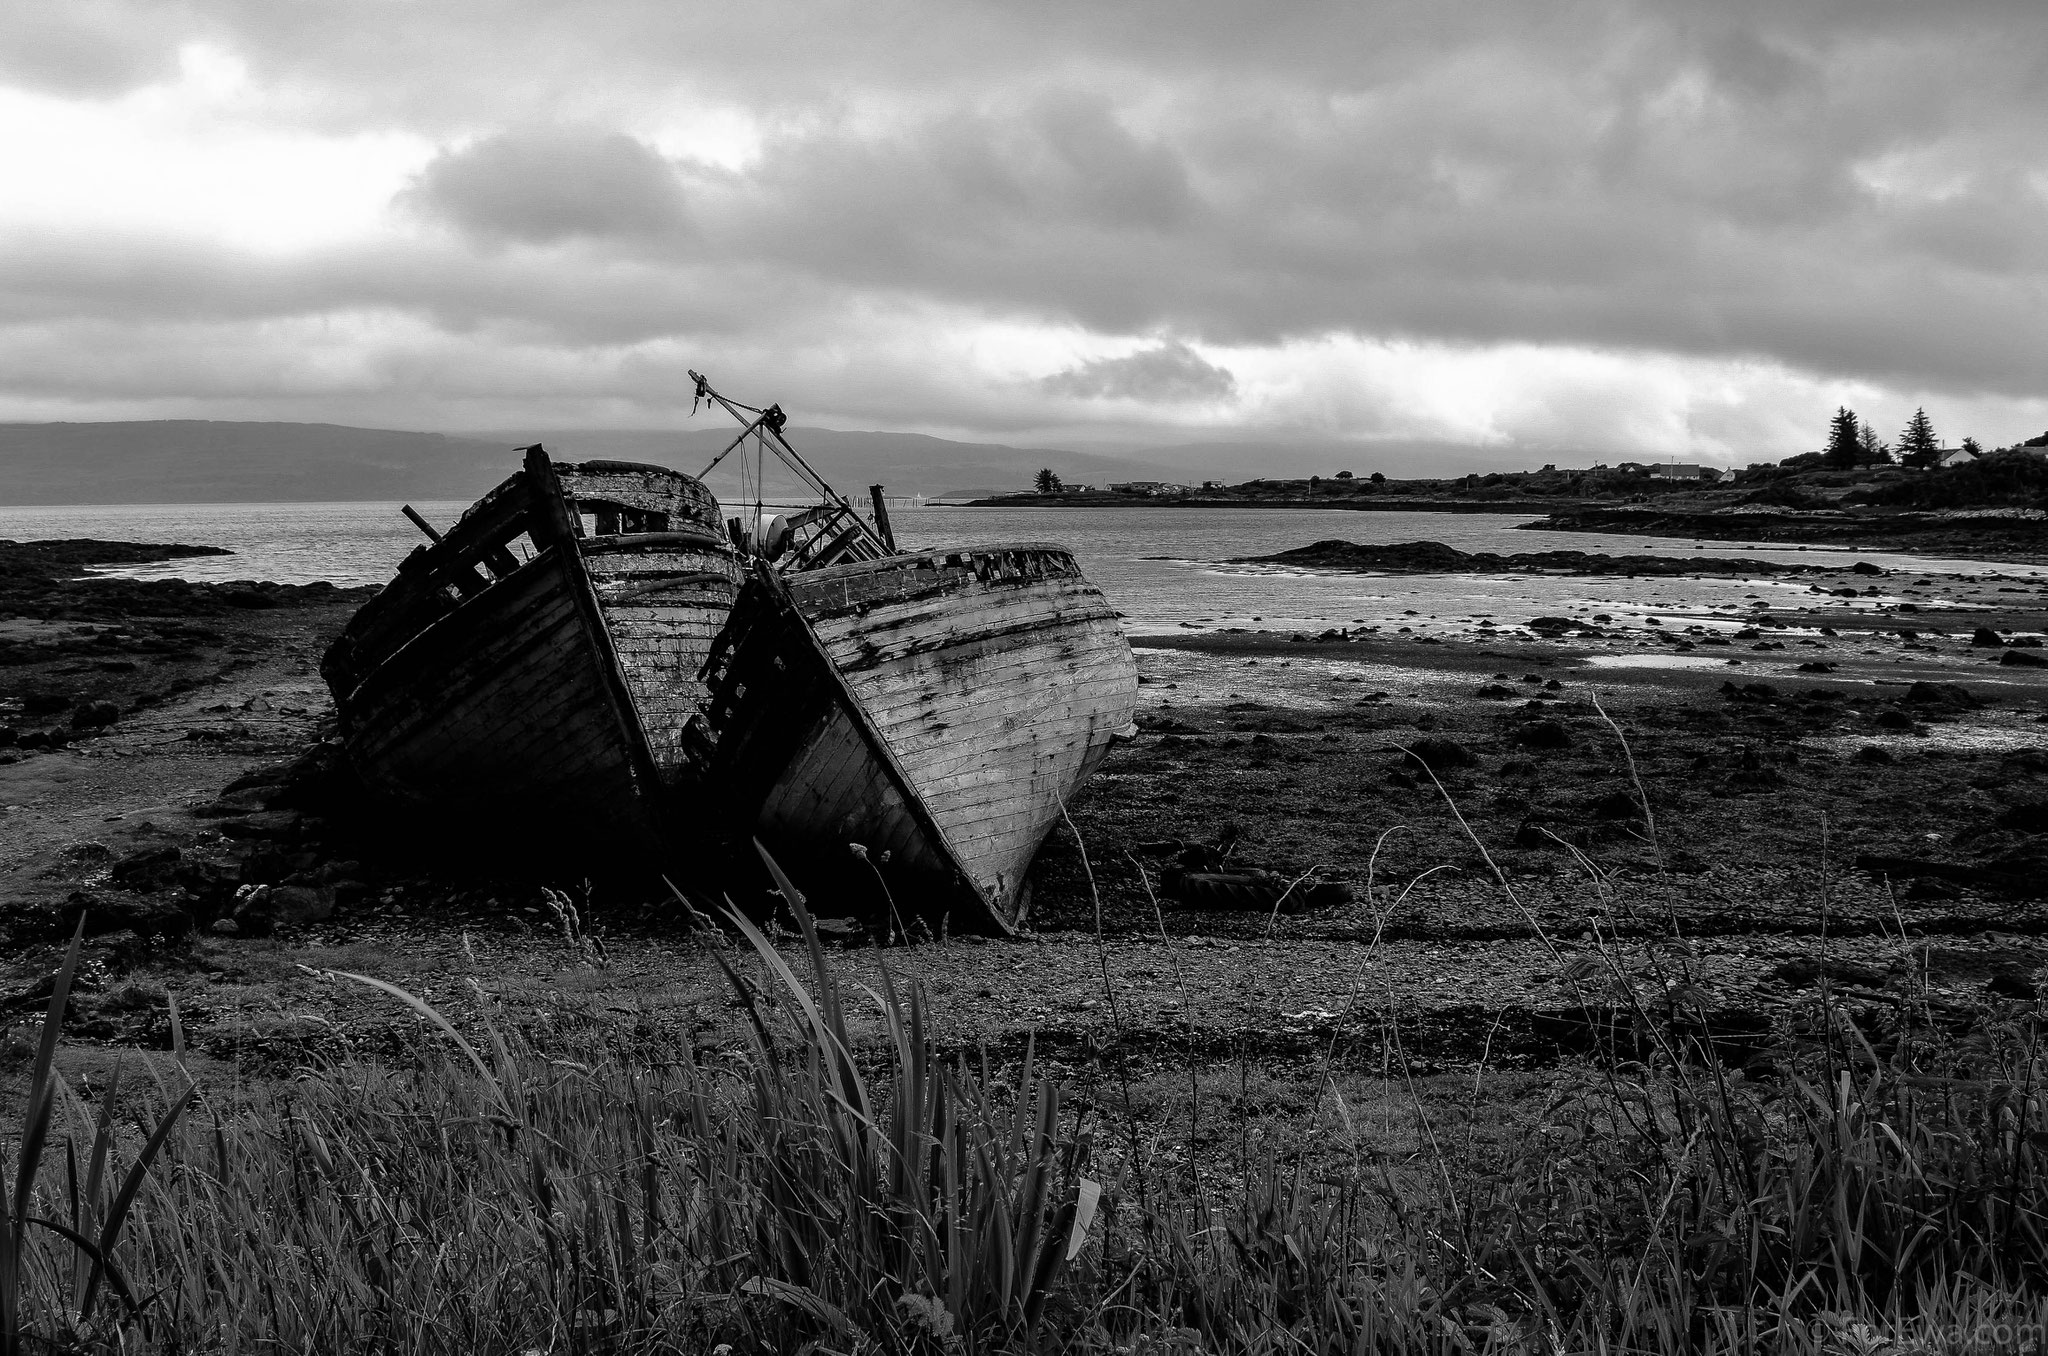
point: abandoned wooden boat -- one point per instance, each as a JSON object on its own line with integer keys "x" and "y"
{"x": 929, "y": 711}
{"x": 537, "y": 665}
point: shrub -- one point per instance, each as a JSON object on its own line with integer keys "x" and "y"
{"x": 2003, "y": 478}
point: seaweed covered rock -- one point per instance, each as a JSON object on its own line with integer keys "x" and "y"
{"x": 1543, "y": 734}
{"x": 1436, "y": 754}
{"x": 1951, "y": 696}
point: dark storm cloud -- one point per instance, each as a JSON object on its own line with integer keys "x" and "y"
{"x": 1169, "y": 373}
{"x": 548, "y": 184}
{"x": 1848, "y": 189}
{"x": 564, "y": 295}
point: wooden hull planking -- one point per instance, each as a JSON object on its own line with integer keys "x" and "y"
{"x": 502, "y": 710}
{"x": 663, "y": 605}
{"x": 550, "y": 690}
{"x": 941, "y": 707}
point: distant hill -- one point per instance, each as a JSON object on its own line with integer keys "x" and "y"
{"x": 199, "y": 461}
{"x": 189, "y": 461}
{"x": 904, "y": 463}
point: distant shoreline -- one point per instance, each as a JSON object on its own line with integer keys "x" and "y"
{"x": 1406, "y": 505}
{"x": 2016, "y": 539}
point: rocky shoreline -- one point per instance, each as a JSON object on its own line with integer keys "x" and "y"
{"x": 2022, "y": 540}
{"x": 1890, "y": 801}
{"x": 1999, "y": 535}
{"x": 1433, "y": 557}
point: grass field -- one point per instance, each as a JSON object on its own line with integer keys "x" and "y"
{"x": 839, "y": 1188}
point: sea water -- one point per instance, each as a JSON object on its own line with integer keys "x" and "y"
{"x": 1165, "y": 569}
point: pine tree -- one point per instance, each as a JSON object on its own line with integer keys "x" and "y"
{"x": 1047, "y": 481}
{"x": 1844, "y": 446}
{"x": 1917, "y": 443}
{"x": 1871, "y": 450}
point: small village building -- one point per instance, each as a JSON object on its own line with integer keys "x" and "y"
{"x": 1952, "y": 456}
{"x": 1685, "y": 470}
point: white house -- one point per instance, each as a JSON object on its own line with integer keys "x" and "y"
{"x": 1683, "y": 470}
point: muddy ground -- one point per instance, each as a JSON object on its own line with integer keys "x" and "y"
{"x": 1845, "y": 786}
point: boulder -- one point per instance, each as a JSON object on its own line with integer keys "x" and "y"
{"x": 295, "y": 905}
{"x": 1438, "y": 755}
{"x": 1986, "y": 638}
{"x": 158, "y": 917}
{"x": 1752, "y": 773}
{"x": 93, "y": 715}
{"x": 1620, "y": 805}
{"x": 2012, "y": 986}
{"x": 2022, "y": 659}
{"x": 145, "y": 872}
{"x": 1543, "y": 734}
{"x": 210, "y": 884}
{"x": 1865, "y": 567}
{"x": 1942, "y": 694}
{"x": 282, "y": 825}
{"x": 266, "y": 908}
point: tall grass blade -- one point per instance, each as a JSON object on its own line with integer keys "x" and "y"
{"x": 117, "y": 1212}
{"x": 427, "y": 1010}
{"x": 14, "y": 1214}
{"x": 1085, "y": 1203}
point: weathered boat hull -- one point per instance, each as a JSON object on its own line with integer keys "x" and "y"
{"x": 937, "y": 709}
{"x": 549, "y": 692}
{"x": 663, "y": 602}
{"x": 506, "y": 710}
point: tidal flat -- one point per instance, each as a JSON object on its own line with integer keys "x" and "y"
{"x": 1834, "y": 789}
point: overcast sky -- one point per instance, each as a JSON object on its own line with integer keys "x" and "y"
{"x": 1565, "y": 229}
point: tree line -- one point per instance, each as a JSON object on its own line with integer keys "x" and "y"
{"x": 1851, "y": 442}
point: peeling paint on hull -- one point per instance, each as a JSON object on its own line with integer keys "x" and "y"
{"x": 936, "y": 708}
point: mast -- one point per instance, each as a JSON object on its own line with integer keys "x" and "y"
{"x": 830, "y": 534}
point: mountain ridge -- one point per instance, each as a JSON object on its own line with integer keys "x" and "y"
{"x": 174, "y": 461}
